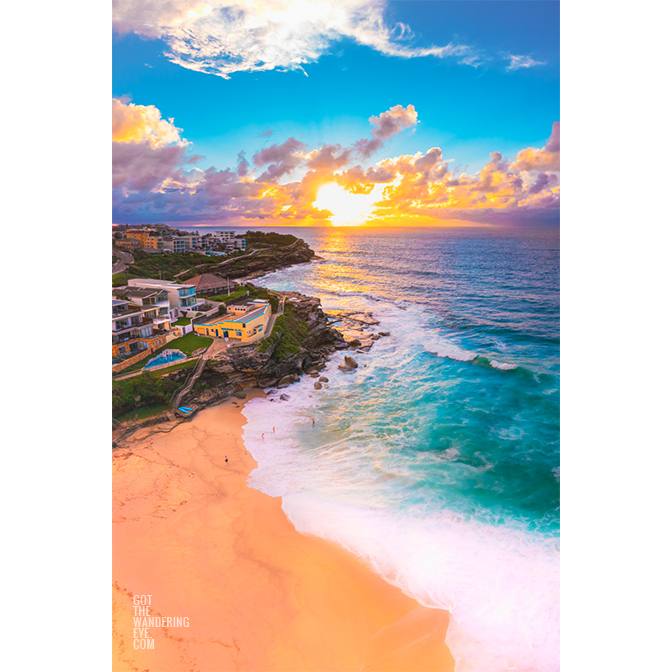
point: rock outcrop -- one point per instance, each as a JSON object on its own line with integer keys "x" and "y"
{"x": 244, "y": 366}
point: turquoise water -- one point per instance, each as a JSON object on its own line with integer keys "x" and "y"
{"x": 437, "y": 460}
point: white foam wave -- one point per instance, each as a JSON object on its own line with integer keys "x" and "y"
{"x": 499, "y": 584}
{"x": 502, "y": 365}
{"x": 444, "y": 347}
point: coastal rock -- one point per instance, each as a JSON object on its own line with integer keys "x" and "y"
{"x": 324, "y": 379}
{"x": 345, "y": 368}
{"x": 349, "y": 361}
{"x": 365, "y": 318}
{"x": 240, "y": 395}
{"x": 354, "y": 343}
{"x": 284, "y": 397}
{"x": 383, "y": 333}
{"x": 341, "y": 345}
{"x": 286, "y": 381}
{"x": 318, "y": 386}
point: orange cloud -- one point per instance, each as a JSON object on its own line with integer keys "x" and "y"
{"x": 143, "y": 123}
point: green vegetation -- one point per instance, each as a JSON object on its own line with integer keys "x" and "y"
{"x": 241, "y": 291}
{"x": 188, "y": 343}
{"x": 289, "y": 331}
{"x": 142, "y": 413}
{"x": 261, "y": 238}
{"x": 254, "y": 292}
{"x": 145, "y": 390}
{"x": 120, "y": 279}
{"x": 165, "y": 266}
{"x": 190, "y": 364}
{"x": 154, "y": 392}
{"x": 182, "y": 321}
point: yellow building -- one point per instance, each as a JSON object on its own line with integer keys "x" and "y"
{"x": 246, "y": 327}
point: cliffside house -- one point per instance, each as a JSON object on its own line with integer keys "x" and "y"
{"x": 155, "y": 305}
{"x": 245, "y": 321}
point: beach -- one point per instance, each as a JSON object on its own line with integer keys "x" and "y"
{"x": 258, "y": 595}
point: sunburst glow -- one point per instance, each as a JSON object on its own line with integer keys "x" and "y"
{"x": 346, "y": 208}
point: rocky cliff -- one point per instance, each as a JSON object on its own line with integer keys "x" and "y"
{"x": 228, "y": 372}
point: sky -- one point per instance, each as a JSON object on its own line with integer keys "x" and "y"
{"x": 342, "y": 112}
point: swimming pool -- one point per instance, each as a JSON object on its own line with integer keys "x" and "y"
{"x": 166, "y": 357}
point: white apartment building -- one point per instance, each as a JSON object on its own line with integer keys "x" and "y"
{"x": 181, "y": 297}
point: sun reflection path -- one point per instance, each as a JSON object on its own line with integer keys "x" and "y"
{"x": 347, "y": 209}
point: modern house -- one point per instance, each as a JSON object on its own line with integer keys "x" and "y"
{"x": 181, "y": 297}
{"x": 132, "y": 332}
{"x": 211, "y": 284}
{"x": 244, "y": 321}
{"x": 155, "y": 305}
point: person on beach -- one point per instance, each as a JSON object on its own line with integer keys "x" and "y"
{"x": 262, "y": 435}
{"x": 313, "y": 420}
{"x": 273, "y": 430}
{"x": 226, "y": 458}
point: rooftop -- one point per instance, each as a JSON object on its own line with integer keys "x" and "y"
{"x": 240, "y": 319}
{"x": 208, "y": 281}
{"x": 143, "y": 293}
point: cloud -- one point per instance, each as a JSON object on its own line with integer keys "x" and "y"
{"x": 221, "y": 37}
{"x": 142, "y": 123}
{"x": 546, "y": 158}
{"x": 389, "y": 123}
{"x": 147, "y": 150}
{"x": 518, "y": 62}
{"x": 280, "y": 159}
{"x": 141, "y": 166}
{"x": 153, "y": 181}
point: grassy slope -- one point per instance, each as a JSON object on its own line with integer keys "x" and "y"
{"x": 289, "y": 331}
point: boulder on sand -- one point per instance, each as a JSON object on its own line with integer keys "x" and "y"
{"x": 318, "y": 386}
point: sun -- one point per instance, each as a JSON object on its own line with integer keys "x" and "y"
{"x": 346, "y": 208}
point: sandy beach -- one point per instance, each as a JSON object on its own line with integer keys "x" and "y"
{"x": 260, "y": 596}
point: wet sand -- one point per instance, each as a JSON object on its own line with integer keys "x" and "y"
{"x": 259, "y": 595}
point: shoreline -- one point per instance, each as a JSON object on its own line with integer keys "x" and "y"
{"x": 259, "y": 595}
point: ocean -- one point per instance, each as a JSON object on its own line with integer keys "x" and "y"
{"x": 437, "y": 460}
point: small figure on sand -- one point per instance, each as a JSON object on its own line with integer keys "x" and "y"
{"x": 226, "y": 458}
{"x": 313, "y": 419}
{"x": 273, "y": 430}
{"x": 262, "y": 435}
